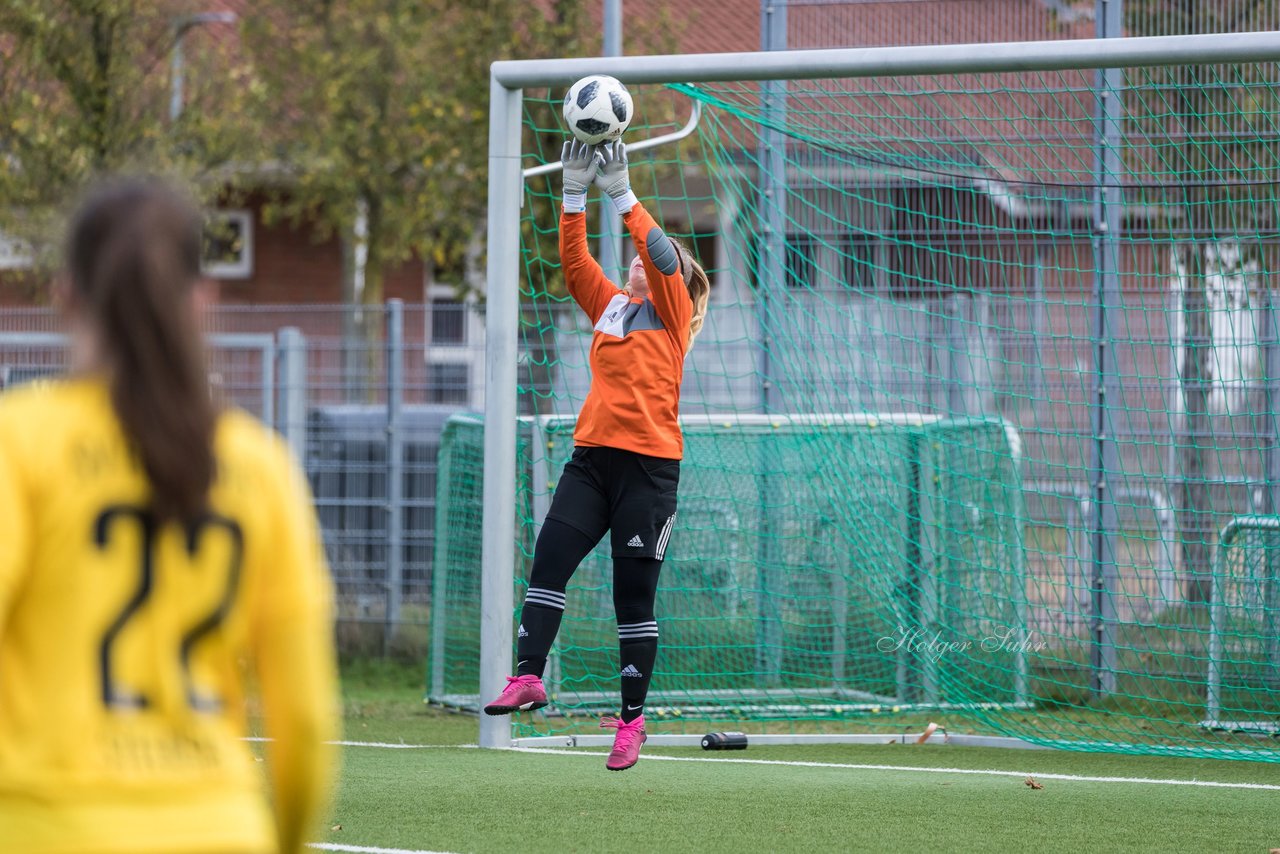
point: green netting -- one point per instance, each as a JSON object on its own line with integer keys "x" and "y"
{"x": 780, "y": 603}
{"x": 1065, "y": 416}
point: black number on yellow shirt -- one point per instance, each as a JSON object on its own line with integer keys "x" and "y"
{"x": 115, "y": 695}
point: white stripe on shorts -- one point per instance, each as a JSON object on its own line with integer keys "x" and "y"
{"x": 665, "y": 535}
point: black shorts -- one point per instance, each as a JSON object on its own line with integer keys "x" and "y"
{"x": 631, "y": 495}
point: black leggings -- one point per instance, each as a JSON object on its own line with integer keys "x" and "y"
{"x": 559, "y": 551}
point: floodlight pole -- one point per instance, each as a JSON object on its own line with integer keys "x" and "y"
{"x": 610, "y": 220}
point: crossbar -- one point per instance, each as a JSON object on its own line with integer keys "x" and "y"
{"x": 897, "y": 61}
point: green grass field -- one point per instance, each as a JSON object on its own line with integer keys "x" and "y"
{"x": 447, "y": 796}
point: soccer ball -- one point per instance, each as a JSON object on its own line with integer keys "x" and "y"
{"x": 598, "y": 109}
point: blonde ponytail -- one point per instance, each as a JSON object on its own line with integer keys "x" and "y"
{"x": 695, "y": 279}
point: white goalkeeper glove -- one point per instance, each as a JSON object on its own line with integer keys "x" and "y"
{"x": 614, "y": 178}
{"x": 580, "y": 163}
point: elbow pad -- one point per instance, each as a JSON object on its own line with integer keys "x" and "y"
{"x": 662, "y": 252}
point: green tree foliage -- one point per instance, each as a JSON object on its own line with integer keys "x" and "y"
{"x": 84, "y": 91}
{"x": 381, "y": 106}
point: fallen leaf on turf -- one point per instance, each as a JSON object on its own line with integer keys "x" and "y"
{"x": 1031, "y": 782}
{"x": 336, "y": 827}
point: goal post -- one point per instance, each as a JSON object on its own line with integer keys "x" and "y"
{"x": 944, "y": 332}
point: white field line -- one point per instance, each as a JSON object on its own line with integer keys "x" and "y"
{"x": 1079, "y": 778}
{"x": 385, "y": 745}
{"x": 364, "y": 849}
{"x": 1208, "y": 784}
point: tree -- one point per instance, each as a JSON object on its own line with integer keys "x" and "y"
{"x": 83, "y": 93}
{"x": 378, "y": 111}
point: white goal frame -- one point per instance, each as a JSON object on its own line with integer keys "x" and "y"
{"x": 507, "y": 81}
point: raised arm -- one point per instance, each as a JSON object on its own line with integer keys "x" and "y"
{"x": 661, "y": 260}
{"x": 583, "y": 276}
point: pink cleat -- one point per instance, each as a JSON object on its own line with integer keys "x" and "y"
{"x": 626, "y": 744}
{"x": 522, "y": 694}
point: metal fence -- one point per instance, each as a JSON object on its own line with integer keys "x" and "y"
{"x": 362, "y": 395}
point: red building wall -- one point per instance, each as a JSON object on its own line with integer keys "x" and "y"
{"x": 291, "y": 267}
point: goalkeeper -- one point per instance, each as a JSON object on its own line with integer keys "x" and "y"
{"x": 625, "y": 467}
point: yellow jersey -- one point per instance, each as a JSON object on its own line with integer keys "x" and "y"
{"x": 127, "y": 648}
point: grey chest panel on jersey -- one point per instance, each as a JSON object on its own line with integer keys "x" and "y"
{"x": 622, "y": 316}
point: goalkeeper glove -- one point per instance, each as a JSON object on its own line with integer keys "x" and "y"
{"x": 613, "y": 177}
{"x": 580, "y": 163}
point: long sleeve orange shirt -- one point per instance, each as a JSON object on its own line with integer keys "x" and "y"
{"x": 637, "y": 349}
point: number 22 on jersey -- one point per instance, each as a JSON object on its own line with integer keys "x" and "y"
{"x": 181, "y": 587}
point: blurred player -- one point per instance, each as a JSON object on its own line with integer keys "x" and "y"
{"x": 626, "y": 464}
{"x": 157, "y": 558}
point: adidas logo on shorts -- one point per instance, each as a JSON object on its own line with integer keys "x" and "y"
{"x": 630, "y": 670}
{"x": 636, "y": 543}
{"x": 524, "y": 633}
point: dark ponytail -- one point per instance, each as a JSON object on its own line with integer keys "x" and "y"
{"x": 134, "y": 257}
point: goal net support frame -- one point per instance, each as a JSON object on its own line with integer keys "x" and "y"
{"x": 508, "y": 80}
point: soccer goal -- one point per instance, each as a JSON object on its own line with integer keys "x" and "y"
{"x": 991, "y": 357}
{"x": 809, "y": 544}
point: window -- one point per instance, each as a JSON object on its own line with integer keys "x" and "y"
{"x": 15, "y": 254}
{"x": 228, "y": 245}
{"x": 448, "y": 383}
{"x": 799, "y": 261}
{"x": 448, "y": 322}
{"x": 859, "y": 257}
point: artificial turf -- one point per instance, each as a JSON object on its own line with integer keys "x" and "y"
{"x": 462, "y": 799}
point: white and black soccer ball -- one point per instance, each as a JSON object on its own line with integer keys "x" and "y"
{"x": 598, "y": 109}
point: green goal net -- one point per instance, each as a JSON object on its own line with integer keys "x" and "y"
{"x": 781, "y": 603}
{"x": 982, "y": 381}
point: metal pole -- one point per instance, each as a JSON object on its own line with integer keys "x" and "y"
{"x": 395, "y": 467}
{"x": 502, "y": 323}
{"x": 1104, "y": 464}
{"x": 267, "y": 353}
{"x": 612, "y": 27}
{"x": 177, "y": 58}
{"x": 177, "y": 64}
{"x": 1213, "y": 689}
{"x": 771, "y": 162}
{"x": 1271, "y": 564}
{"x": 771, "y": 158}
{"x": 610, "y": 221}
{"x": 293, "y": 390}
{"x": 1271, "y": 362}
{"x": 899, "y": 61}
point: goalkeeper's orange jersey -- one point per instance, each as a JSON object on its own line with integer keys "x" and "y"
{"x": 126, "y": 648}
{"x": 638, "y": 347}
